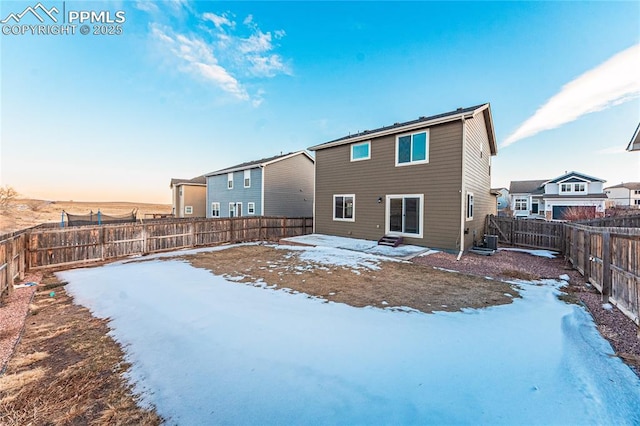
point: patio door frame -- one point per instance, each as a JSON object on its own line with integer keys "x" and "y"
{"x": 420, "y": 213}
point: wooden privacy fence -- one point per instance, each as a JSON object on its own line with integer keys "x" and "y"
{"x": 609, "y": 258}
{"x": 71, "y": 246}
{"x": 12, "y": 260}
{"x": 538, "y": 234}
{"x": 45, "y": 247}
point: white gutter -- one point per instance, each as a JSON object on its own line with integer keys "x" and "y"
{"x": 262, "y": 192}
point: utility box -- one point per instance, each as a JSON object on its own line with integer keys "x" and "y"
{"x": 491, "y": 242}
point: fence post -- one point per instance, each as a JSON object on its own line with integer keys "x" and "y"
{"x": 587, "y": 255}
{"x": 9, "y": 253}
{"x": 606, "y": 266}
{"x": 193, "y": 233}
{"x": 144, "y": 239}
{"x": 101, "y": 230}
{"x": 284, "y": 228}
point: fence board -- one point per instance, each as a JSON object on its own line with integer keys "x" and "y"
{"x": 12, "y": 261}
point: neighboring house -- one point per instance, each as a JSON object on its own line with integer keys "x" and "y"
{"x": 634, "y": 144}
{"x": 189, "y": 197}
{"x": 549, "y": 199}
{"x": 503, "y": 202}
{"x": 526, "y": 198}
{"x": 426, "y": 180}
{"x": 275, "y": 186}
{"x": 625, "y": 194}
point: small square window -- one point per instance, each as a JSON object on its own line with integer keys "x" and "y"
{"x": 361, "y": 151}
{"x": 188, "y": 209}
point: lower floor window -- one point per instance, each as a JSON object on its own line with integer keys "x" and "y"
{"x": 521, "y": 204}
{"x": 232, "y": 209}
{"x": 215, "y": 209}
{"x": 251, "y": 208}
{"x": 344, "y": 207}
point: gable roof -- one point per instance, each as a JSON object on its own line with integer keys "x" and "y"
{"x": 634, "y": 144}
{"x": 628, "y": 185}
{"x": 198, "y": 181}
{"x": 421, "y": 122}
{"x": 580, "y": 176}
{"x": 259, "y": 163}
{"x": 527, "y": 186}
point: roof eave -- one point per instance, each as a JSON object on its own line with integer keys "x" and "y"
{"x": 400, "y": 129}
{"x": 634, "y": 143}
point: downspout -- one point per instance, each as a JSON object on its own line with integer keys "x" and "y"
{"x": 313, "y": 228}
{"x": 262, "y": 192}
{"x": 462, "y": 188}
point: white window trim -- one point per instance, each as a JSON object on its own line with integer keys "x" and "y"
{"x": 232, "y": 208}
{"x": 515, "y": 204}
{"x": 188, "y": 209}
{"x": 469, "y": 218}
{"x": 353, "y": 212}
{"x": 239, "y": 211}
{"x": 387, "y": 211}
{"x": 247, "y": 176}
{"x": 251, "y": 208}
{"x": 411, "y": 163}
{"x": 368, "y": 157}
{"x": 230, "y": 180}
{"x": 215, "y": 203}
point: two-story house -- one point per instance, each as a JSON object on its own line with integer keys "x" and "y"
{"x": 624, "y": 195}
{"x": 426, "y": 180}
{"x": 277, "y": 186}
{"x": 550, "y": 199}
{"x": 189, "y": 197}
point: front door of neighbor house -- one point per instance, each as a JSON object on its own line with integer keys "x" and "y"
{"x": 404, "y": 215}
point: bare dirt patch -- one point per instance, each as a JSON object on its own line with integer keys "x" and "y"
{"x": 394, "y": 284}
{"x": 67, "y": 370}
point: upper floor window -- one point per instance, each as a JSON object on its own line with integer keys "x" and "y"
{"x": 229, "y": 180}
{"x": 636, "y": 192}
{"x": 573, "y": 187}
{"x": 361, "y": 151}
{"x": 247, "y": 178}
{"x": 412, "y": 148}
{"x": 344, "y": 207}
{"x": 636, "y": 202}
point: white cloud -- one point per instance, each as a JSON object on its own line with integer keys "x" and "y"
{"x": 611, "y": 83}
{"x": 612, "y": 150}
{"x": 196, "y": 57}
{"x": 215, "y": 50}
{"x": 146, "y": 6}
{"x": 219, "y": 20}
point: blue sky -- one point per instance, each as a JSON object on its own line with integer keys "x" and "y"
{"x": 193, "y": 86}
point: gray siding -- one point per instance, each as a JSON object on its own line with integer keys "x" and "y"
{"x": 439, "y": 181}
{"x": 477, "y": 178}
{"x": 288, "y": 189}
{"x": 217, "y": 192}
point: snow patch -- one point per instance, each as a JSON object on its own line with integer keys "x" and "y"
{"x": 541, "y": 253}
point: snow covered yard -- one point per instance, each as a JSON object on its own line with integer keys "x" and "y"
{"x": 206, "y": 349}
